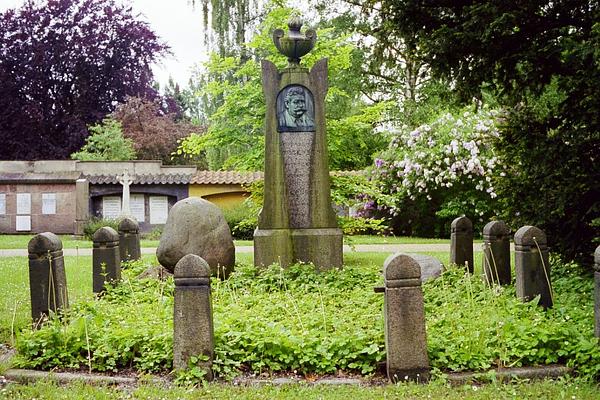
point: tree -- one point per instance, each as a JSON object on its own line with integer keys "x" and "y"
{"x": 235, "y": 136}
{"x": 64, "y": 64}
{"x": 541, "y": 60}
{"x": 153, "y": 131}
{"x": 106, "y": 143}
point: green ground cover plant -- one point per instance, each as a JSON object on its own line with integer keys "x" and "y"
{"x": 269, "y": 320}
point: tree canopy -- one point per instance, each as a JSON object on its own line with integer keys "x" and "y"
{"x": 236, "y": 124}
{"x": 540, "y": 60}
{"x": 65, "y": 64}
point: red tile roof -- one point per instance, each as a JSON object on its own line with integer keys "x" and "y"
{"x": 226, "y": 177}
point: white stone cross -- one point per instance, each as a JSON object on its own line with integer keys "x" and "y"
{"x": 125, "y": 180}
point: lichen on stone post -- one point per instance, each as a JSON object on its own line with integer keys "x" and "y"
{"x": 106, "y": 258}
{"x": 496, "y": 253}
{"x": 404, "y": 313}
{"x": 193, "y": 331}
{"x": 532, "y": 269}
{"x": 461, "y": 243}
{"x": 47, "y": 278}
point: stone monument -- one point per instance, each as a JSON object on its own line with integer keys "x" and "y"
{"x": 297, "y": 221}
{"x": 47, "y": 277}
{"x": 125, "y": 181}
{"x": 532, "y": 267}
{"x": 193, "y": 329}
{"x": 461, "y": 243}
{"x": 106, "y": 258}
{"x": 404, "y": 313}
{"x": 496, "y": 253}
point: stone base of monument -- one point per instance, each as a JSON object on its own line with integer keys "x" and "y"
{"x": 320, "y": 246}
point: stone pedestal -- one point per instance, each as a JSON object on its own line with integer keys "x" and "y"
{"x": 193, "y": 332}
{"x": 129, "y": 240}
{"x": 297, "y": 221}
{"x": 532, "y": 268}
{"x": 461, "y": 243}
{"x": 496, "y": 253}
{"x": 404, "y": 312}
{"x": 106, "y": 258}
{"x": 82, "y": 206}
{"x": 47, "y": 278}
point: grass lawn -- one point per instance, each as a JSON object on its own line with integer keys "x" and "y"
{"x": 556, "y": 390}
{"x": 21, "y": 241}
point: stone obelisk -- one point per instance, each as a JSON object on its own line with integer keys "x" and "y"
{"x": 297, "y": 221}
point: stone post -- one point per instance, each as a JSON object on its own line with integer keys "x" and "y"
{"x": 129, "y": 239}
{"x": 532, "y": 269}
{"x": 106, "y": 258}
{"x": 47, "y": 278}
{"x": 82, "y": 206}
{"x": 496, "y": 252}
{"x": 404, "y": 313}
{"x": 597, "y": 291}
{"x": 461, "y": 242}
{"x": 193, "y": 333}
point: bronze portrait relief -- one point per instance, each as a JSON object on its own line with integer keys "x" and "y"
{"x": 295, "y": 110}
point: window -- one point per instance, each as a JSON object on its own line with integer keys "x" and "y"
{"x": 48, "y": 203}
{"x": 2, "y": 203}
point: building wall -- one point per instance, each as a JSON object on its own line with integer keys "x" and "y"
{"x": 61, "y": 222}
{"x": 174, "y": 193}
{"x": 224, "y": 196}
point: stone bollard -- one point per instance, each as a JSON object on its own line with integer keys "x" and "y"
{"x": 597, "y": 291}
{"x": 192, "y": 317}
{"x": 496, "y": 252}
{"x": 106, "y": 258}
{"x": 47, "y": 278}
{"x": 461, "y": 242}
{"x": 404, "y": 313}
{"x": 129, "y": 240}
{"x": 532, "y": 269}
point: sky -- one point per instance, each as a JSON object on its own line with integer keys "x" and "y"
{"x": 177, "y": 23}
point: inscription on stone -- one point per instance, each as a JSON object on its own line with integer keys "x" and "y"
{"x": 296, "y": 148}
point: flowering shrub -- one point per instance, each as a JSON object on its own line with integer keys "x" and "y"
{"x": 444, "y": 169}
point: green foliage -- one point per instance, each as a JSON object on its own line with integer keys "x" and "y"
{"x": 95, "y": 223}
{"x": 297, "y": 319}
{"x": 242, "y": 220}
{"x": 235, "y": 138}
{"x": 106, "y": 143}
{"x": 361, "y": 226}
{"x": 439, "y": 171}
{"x": 541, "y": 61}
{"x": 559, "y": 194}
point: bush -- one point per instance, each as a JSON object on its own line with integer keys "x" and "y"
{"x": 95, "y": 223}
{"x": 439, "y": 171}
{"x": 361, "y": 226}
{"x": 242, "y": 220}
